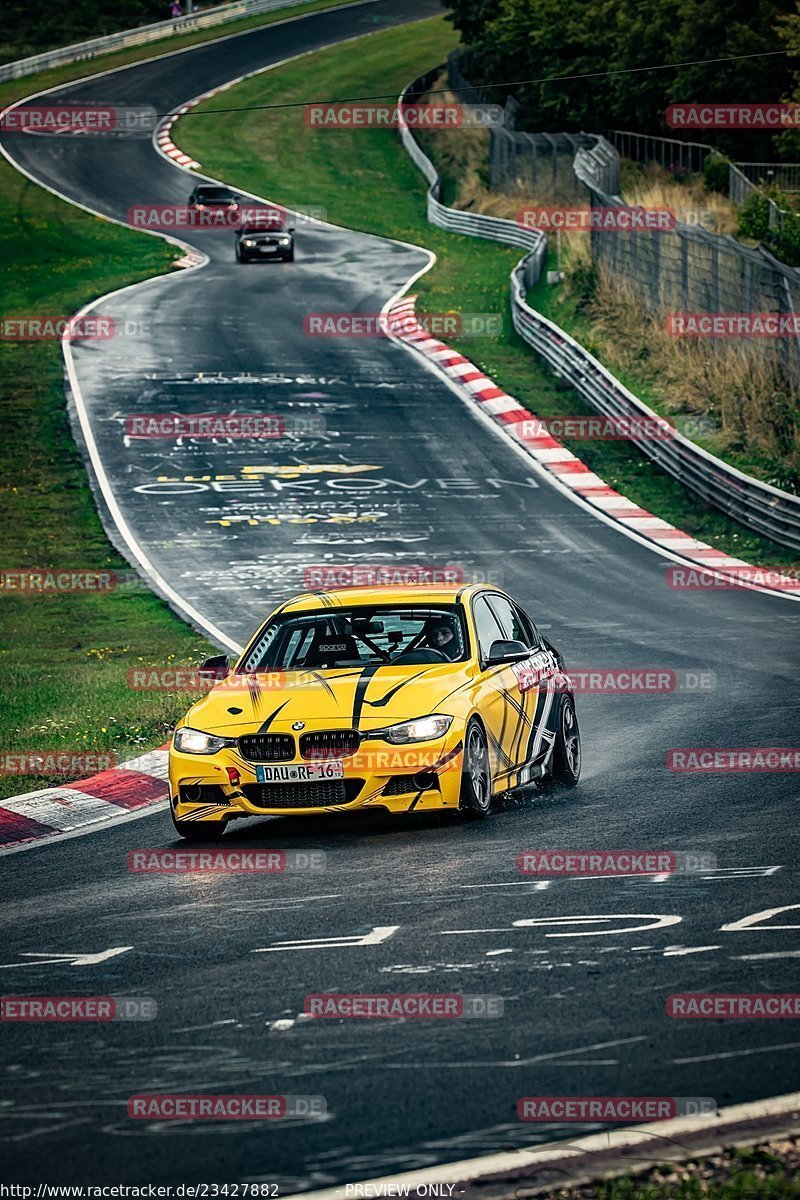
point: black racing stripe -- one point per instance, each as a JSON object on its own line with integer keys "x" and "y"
{"x": 361, "y": 688}
{"x": 442, "y": 762}
{"x": 319, "y": 678}
{"x": 272, "y": 717}
{"x": 466, "y": 683}
{"x": 384, "y": 700}
{"x": 519, "y": 731}
{"x": 501, "y": 754}
{"x": 254, "y": 691}
{"x": 414, "y": 802}
{"x": 541, "y": 695}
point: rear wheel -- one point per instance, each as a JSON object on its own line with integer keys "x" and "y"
{"x": 476, "y": 775}
{"x": 199, "y": 831}
{"x": 566, "y": 767}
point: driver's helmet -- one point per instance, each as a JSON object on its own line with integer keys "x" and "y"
{"x": 441, "y": 633}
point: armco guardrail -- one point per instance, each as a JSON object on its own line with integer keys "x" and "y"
{"x": 138, "y": 37}
{"x": 495, "y": 229}
{"x": 760, "y": 507}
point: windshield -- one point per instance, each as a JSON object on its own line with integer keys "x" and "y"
{"x": 214, "y": 194}
{"x": 263, "y": 227}
{"x": 358, "y": 637}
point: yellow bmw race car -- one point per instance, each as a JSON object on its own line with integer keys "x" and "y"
{"x": 406, "y": 699}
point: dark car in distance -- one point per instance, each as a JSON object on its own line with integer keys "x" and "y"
{"x": 212, "y": 197}
{"x": 261, "y": 240}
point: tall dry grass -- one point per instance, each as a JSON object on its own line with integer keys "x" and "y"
{"x": 729, "y": 396}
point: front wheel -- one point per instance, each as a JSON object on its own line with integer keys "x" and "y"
{"x": 566, "y": 767}
{"x": 476, "y": 775}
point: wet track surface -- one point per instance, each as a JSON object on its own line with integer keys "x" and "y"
{"x": 405, "y": 473}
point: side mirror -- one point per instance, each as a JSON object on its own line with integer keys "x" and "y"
{"x": 215, "y": 668}
{"x": 290, "y": 229}
{"x": 506, "y": 652}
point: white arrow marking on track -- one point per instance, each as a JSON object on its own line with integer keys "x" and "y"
{"x": 380, "y": 933}
{"x": 755, "y": 920}
{"x": 72, "y": 960}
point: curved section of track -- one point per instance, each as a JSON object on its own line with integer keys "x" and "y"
{"x": 407, "y": 473}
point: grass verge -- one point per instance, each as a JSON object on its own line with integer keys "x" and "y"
{"x": 366, "y": 181}
{"x": 66, "y": 658}
{"x": 765, "y": 1172}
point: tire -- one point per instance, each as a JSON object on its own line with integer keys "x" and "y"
{"x": 476, "y": 773}
{"x": 566, "y": 765}
{"x": 199, "y": 831}
{"x": 289, "y": 257}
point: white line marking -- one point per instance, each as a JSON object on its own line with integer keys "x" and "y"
{"x": 764, "y": 957}
{"x": 755, "y": 920}
{"x": 380, "y": 933}
{"x": 674, "y": 951}
{"x": 67, "y": 960}
{"x": 737, "y": 1053}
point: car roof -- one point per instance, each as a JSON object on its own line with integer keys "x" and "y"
{"x": 350, "y": 597}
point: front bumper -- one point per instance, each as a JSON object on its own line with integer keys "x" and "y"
{"x": 422, "y": 777}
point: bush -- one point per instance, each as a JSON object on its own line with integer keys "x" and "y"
{"x": 784, "y": 239}
{"x": 715, "y": 173}
{"x": 583, "y": 284}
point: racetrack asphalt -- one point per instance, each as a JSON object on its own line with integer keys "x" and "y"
{"x": 584, "y": 1005}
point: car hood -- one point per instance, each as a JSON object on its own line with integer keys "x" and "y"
{"x": 364, "y": 698}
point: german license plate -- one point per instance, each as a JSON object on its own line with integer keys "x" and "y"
{"x": 302, "y": 773}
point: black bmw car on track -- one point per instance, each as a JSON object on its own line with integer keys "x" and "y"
{"x": 259, "y": 240}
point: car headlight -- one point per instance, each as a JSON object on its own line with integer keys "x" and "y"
{"x": 422, "y": 729}
{"x": 284, "y": 241}
{"x": 194, "y": 741}
{"x": 247, "y": 242}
